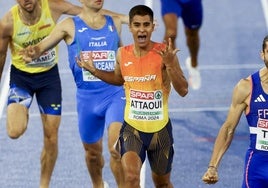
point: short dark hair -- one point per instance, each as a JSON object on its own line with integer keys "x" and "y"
{"x": 265, "y": 40}
{"x": 141, "y": 10}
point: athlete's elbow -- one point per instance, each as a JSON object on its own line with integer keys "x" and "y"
{"x": 119, "y": 83}
{"x": 183, "y": 92}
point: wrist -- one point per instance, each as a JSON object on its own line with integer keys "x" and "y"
{"x": 170, "y": 67}
{"x": 93, "y": 72}
{"x": 211, "y": 166}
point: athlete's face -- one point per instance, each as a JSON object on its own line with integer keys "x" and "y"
{"x": 27, "y": 5}
{"x": 264, "y": 55}
{"x": 95, "y": 4}
{"x": 141, "y": 28}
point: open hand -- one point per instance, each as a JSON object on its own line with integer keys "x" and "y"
{"x": 168, "y": 53}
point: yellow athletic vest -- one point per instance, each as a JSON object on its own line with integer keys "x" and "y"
{"x": 146, "y": 98}
{"x": 24, "y": 36}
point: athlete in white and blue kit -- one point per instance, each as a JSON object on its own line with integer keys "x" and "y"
{"x": 99, "y": 105}
{"x": 250, "y": 96}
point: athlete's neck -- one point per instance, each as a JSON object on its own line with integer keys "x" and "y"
{"x": 30, "y": 18}
{"x": 140, "y": 51}
{"x": 95, "y": 20}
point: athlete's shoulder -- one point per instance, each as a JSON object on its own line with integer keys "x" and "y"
{"x": 66, "y": 22}
{"x": 244, "y": 83}
{"x": 243, "y": 88}
{"x": 116, "y": 21}
{"x": 6, "y": 24}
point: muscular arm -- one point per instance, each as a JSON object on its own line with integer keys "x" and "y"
{"x": 122, "y": 17}
{"x": 60, "y": 7}
{"x": 177, "y": 78}
{"x": 239, "y": 104}
{"x": 171, "y": 69}
{"x": 64, "y": 30}
{"x": 6, "y": 28}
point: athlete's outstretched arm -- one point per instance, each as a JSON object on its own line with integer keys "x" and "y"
{"x": 123, "y": 17}
{"x": 60, "y": 7}
{"x": 239, "y": 104}
{"x": 62, "y": 31}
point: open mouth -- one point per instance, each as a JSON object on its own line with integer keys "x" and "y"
{"x": 142, "y": 38}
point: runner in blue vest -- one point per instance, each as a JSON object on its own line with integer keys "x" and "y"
{"x": 249, "y": 96}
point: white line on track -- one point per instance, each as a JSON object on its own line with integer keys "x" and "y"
{"x": 201, "y": 109}
{"x": 230, "y": 66}
{"x": 171, "y": 110}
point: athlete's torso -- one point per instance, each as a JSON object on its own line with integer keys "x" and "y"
{"x": 24, "y": 35}
{"x": 103, "y": 43}
{"x": 258, "y": 115}
{"x": 146, "y": 97}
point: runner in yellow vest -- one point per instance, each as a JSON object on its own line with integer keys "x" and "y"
{"x": 27, "y": 23}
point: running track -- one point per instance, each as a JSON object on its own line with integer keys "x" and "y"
{"x": 231, "y": 39}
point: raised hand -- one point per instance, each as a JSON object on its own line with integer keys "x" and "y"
{"x": 168, "y": 53}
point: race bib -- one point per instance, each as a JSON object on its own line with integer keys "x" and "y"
{"x": 146, "y": 105}
{"x": 103, "y": 60}
{"x": 262, "y": 134}
{"x": 47, "y": 59}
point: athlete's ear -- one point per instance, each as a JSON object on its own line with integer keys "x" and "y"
{"x": 155, "y": 24}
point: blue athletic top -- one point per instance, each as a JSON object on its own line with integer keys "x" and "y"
{"x": 258, "y": 115}
{"x": 101, "y": 45}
